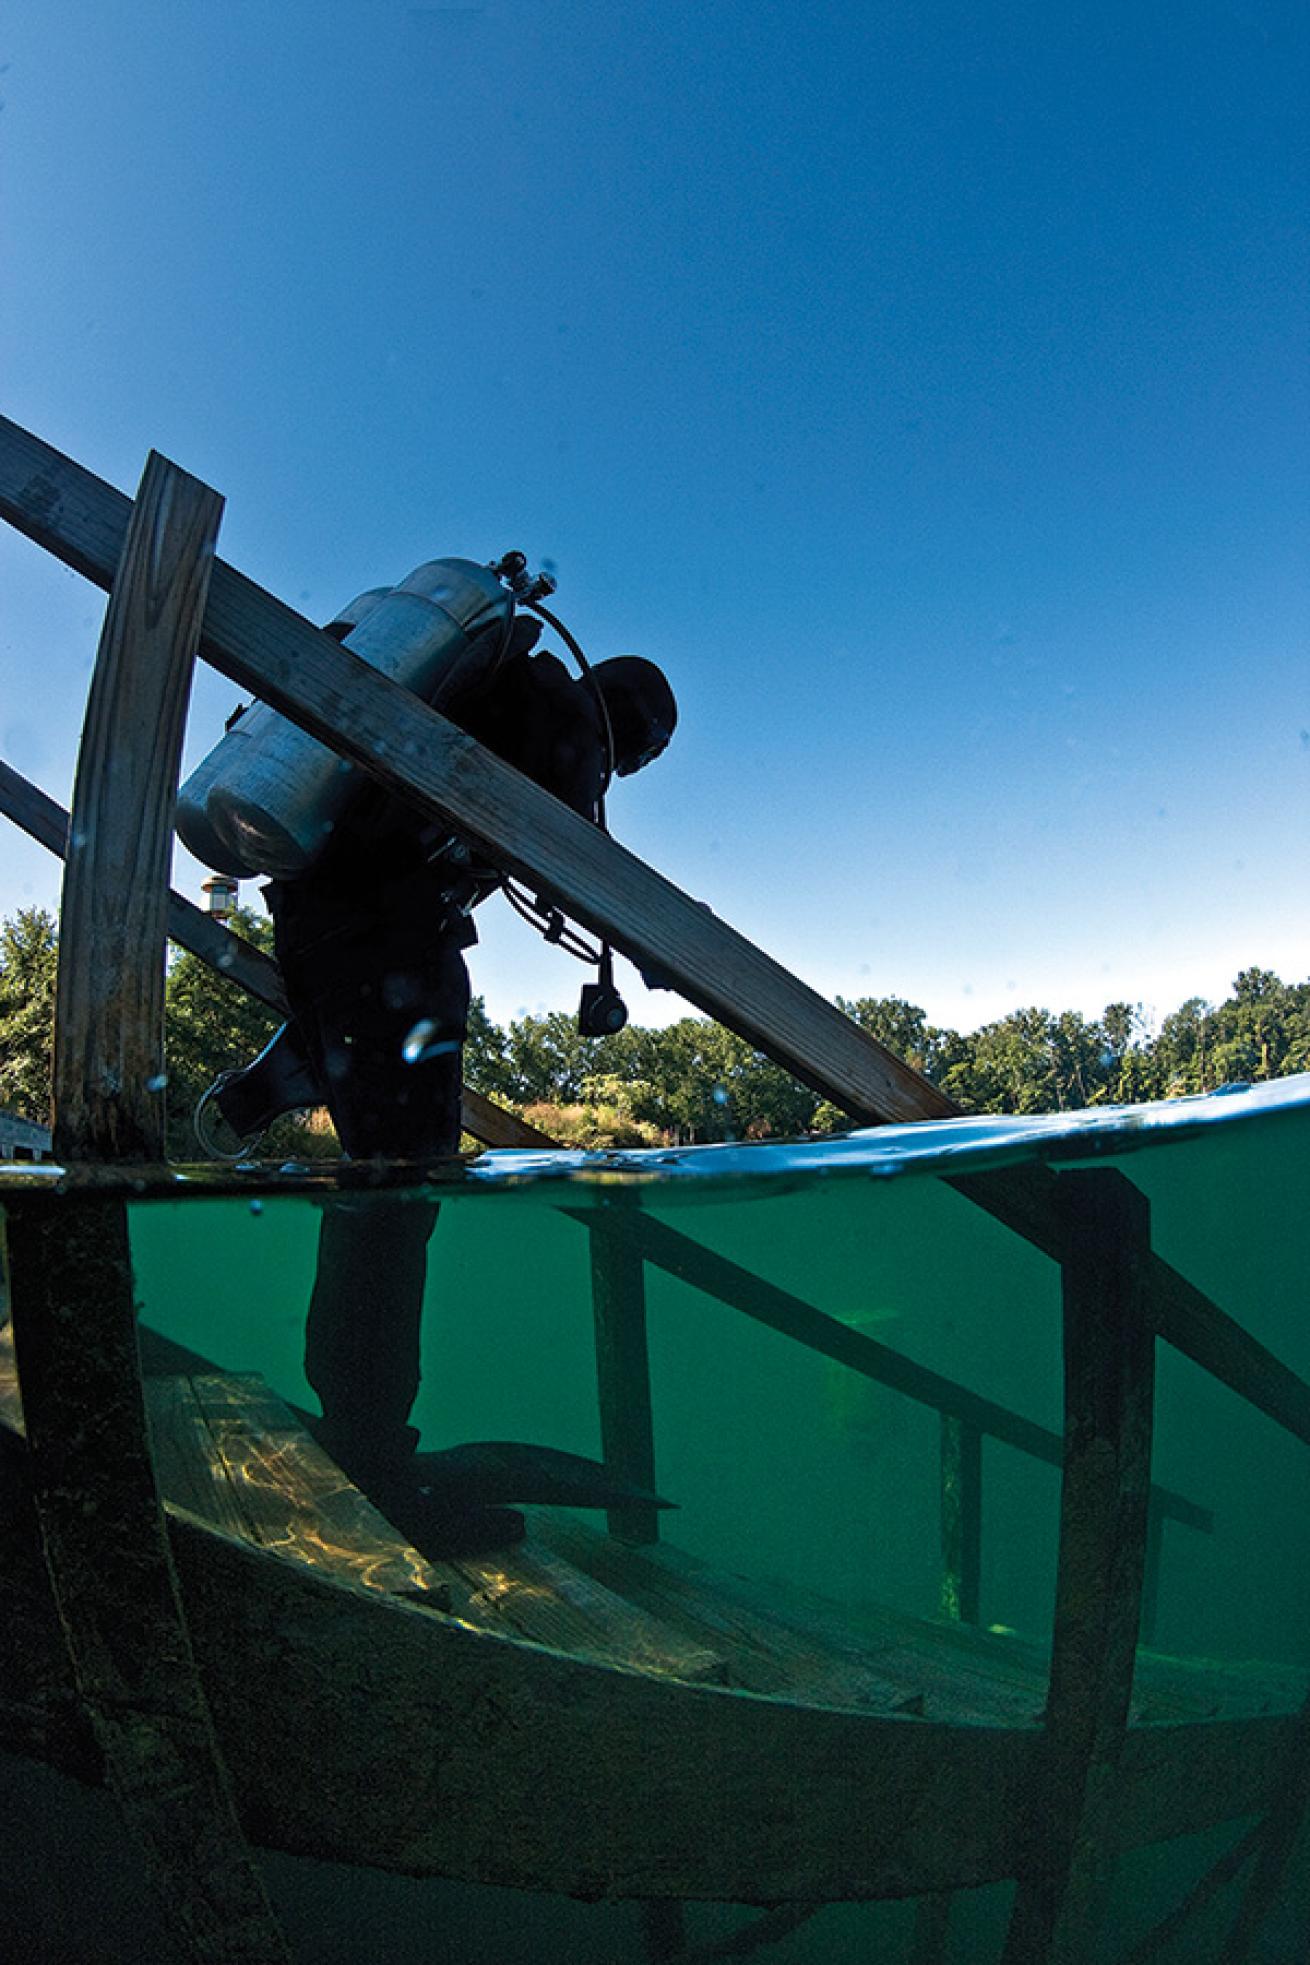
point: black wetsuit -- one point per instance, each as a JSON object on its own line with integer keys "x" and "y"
{"x": 371, "y": 945}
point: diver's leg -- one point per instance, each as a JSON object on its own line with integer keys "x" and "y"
{"x": 391, "y": 1096}
{"x": 362, "y": 1330}
{"x": 391, "y": 1046}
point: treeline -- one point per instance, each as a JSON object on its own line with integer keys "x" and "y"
{"x": 693, "y": 1081}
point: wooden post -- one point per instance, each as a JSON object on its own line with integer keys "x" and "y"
{"x": 961, "y": 1504}
{"x": 1109, "y": 1371}
{"x": 618, "y": 1294}
{"x": 73, "y": 1310}
{"x": 109, "y": 1019}
{"x": 932, "y": 1929}
{"x": 111, "y": 1572}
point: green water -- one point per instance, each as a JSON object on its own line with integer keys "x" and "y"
{"x": 785, "y": 1464}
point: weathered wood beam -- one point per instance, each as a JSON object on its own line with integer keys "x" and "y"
{"x": 189, "y": 926}
{"x": 618, "y": 1296}
{"x": 1109, "y": 1352}
{"x": 323, "y": 1695}
{"x": 109, "y": 1017}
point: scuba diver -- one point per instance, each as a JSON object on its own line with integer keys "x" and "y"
{"x": 371, "y": 940}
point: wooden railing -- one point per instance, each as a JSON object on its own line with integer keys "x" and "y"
{"x": 624, "y": 1241}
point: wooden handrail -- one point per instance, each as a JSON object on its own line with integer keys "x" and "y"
{"x": 718, "y": 1276}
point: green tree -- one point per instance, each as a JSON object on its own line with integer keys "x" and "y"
{"x": 29, "y": 959}
{"x": 1180, "y": 1052}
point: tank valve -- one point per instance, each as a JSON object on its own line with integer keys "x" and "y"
{"x": 523, "y": 584}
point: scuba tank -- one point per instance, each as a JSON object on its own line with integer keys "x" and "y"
{"x": 268, "y": 795}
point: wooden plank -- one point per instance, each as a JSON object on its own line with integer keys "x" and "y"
{"x": 773, "y": 1643}
{"x": 188, "y": 1465}
{"x": 1160, "y": 1940}
{"x": 1109, "y": 1349}
{"x": 109, "y": 1017}
{"x": 618, "y": 1298}
{"x": 29, "y": 807}
{"x": 529, "y": 1591}
{"x": 44, "y": 820}
{"x": 236, "y": 1455}
{"x": 961, "y": 1519}
{"x": 1187, "y": 1319}
{"x": 495, "y": 1125}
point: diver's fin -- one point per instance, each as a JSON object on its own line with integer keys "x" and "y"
{"x": 485, "y": 1472}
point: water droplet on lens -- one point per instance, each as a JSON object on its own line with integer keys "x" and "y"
{"x": 424, "y": 1042}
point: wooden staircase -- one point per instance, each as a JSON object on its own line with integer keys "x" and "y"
{"x": 255, "y": 1508}
{"x": 231, "y": 1454}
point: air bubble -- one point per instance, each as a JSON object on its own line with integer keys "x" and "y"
{"x": 425, "y": 1042}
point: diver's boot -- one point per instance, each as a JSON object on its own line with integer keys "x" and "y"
{"x": 438, "y": 1521}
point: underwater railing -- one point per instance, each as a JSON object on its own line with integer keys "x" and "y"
{"x": 624, "y": 1240}
{"x": 1111, "y": 1518}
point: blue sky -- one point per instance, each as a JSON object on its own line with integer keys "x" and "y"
{"x": 924, "y": 387}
